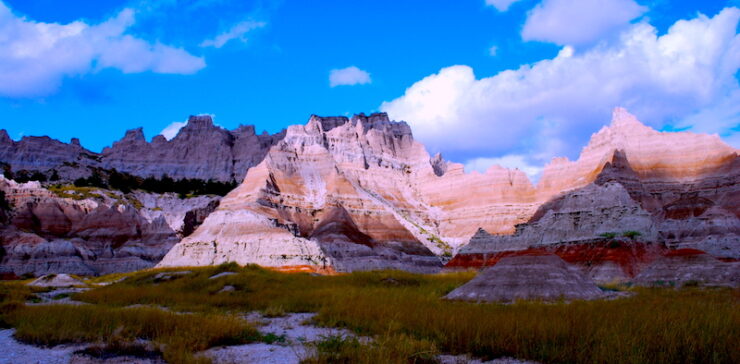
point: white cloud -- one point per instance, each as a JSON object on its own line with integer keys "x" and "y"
{"x": 238, "y": 31}
{"x": 348, "y": 76}
{"x": 492, "y": 51}
{"x": 508, "y": 161}
{"x": 501, "y": 5}
{"x": 171, "y": 130}
{"x": 576, "y": 22}
{"x": 685, "y": 77}
{"x": 36, "y": 56}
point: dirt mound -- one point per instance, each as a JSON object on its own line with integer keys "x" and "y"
{"x": 528, "y": 277}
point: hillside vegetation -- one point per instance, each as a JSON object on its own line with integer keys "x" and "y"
{"x": 402, "y": 312}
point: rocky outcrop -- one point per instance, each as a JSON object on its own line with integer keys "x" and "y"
{"x": 43, "y": 154}
{"x": 528, "y": 277}
{"x": 333, "y": 194}
{"x": 632, "y": 186}
{"x": 690, "y": 267}
{"x": 348, "y": 193}
{"x": 90, "y": 231}
{"x": 200, "y": 150}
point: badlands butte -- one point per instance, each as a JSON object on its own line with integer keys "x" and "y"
{"x": 347, "y": 194}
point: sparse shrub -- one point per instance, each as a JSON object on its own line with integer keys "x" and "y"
{"x": 631, "y": 234}
{"x": 608, "y": 235}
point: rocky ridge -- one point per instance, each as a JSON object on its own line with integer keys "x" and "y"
{"x": 200, "y": 150}
{"x": 631, "y": 186}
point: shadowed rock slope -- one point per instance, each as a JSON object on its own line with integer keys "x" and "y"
{"x": 528, "y": 277}
{"x": 200, "y": 150}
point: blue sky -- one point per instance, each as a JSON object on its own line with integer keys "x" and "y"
{"x": 92, "y": 69}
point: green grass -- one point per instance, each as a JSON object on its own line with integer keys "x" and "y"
{"x": 410, "y": 323}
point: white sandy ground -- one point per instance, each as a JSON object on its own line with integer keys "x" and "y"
{"x": 293, "y": 327}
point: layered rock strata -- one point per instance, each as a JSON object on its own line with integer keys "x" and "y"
{"x": 352, "y": 193}
{"x": 92, "y": 231}
{"x": 334, "y": 194}
{"x": 690, "y": 267}
{"x": 635, "y": 187}
{"x": 528, "y": 277}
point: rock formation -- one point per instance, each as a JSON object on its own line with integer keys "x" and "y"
{"x": 200, "y": 150}
{"x": 528, "y": 277}
{"x": 360, "y": 193}
{"x": 357, "y": 193}
{"x": 688, "y": 266}
{"x": 634, "y": 187}
{"x": 334, "y": 194}
{"x": 91, "y": 231}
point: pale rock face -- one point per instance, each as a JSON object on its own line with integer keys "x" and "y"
{"x": 393, "y": 195}
{"x": 678, "y": 190}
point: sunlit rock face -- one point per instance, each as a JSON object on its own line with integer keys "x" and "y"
{"x": 101, "y": 233}
{"x": 675, "y": 190}
{"x": 335, "y": 193}
{"x": 200, "y": 150}
{"x": 359, "y": 193}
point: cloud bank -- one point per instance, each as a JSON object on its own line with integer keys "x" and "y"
{"x": 576, "y": 22}
{"x": 685, "y": 78}
{"x": 348, "y": 76}
{"x": 35, "y": 56}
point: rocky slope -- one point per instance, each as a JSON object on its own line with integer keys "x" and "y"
{"x": 631, "y": 184}
{"x": 200, "y": 150}
{"x": 90, "y": 231}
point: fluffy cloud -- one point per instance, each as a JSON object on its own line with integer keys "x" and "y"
{"x": 36, "y": 56}
{"x": 685, "y": 78}
{"x": 171, "y": 130}
{"x": 501, "y": 5}
{"x": 348, "y": 76}
{"x": 238, "y": 31}
{"x": 576, "y": 22}
{"x": 509, "y": 161}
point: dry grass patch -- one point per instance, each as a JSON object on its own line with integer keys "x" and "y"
{"x": 179, "y": 335}
{"x": 409, "y": 322}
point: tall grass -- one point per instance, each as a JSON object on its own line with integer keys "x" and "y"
{"x": 409, "y": 322}
{"x": 180, "y": 335}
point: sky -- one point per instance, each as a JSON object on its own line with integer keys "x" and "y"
{"x": 508, "y": 82}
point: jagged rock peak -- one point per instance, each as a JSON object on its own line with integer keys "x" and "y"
{"x": 439, "y": 165}
{"x": 75, "y": 141}
{"x": 200, "y": 121}
{"x": 134, "y": 135}
{"x": 4, "y": 137}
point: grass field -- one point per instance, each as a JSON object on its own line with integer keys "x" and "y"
{"x": 402, "y": 312}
